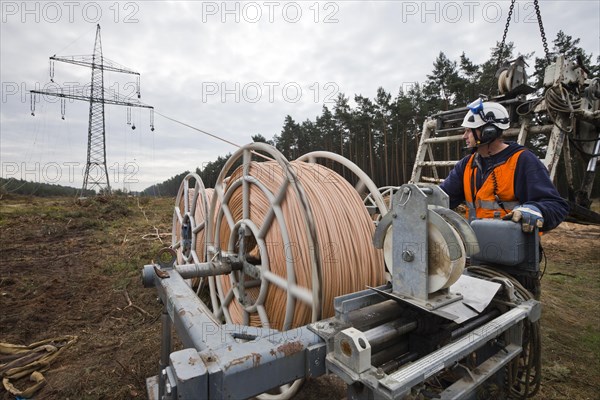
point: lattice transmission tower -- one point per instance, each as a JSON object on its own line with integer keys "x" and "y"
{"x": 96, "y": 172}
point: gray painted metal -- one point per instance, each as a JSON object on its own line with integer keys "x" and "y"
{"x": 409, "y": 277}
{"x": 504, "y": 243}
{"x": 243, "y": 370}
{"x": 189, "y": 373}
{"x": 193, "y": 321}
{"x": 237, "y": 369}
{"x": 352, "y": 348}
{"x": 466, "y": 387}
{"x": 400, "y": 382}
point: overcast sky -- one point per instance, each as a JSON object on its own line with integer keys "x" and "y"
{"x": 234, "y": 69}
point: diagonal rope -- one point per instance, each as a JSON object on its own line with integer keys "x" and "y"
{"x": 210, "y": 134}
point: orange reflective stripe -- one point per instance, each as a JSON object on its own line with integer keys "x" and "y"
{"x": 485, "y": 204}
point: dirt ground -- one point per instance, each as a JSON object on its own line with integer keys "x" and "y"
{"x": 71, "y": 269}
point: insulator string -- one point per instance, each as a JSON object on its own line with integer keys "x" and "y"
{"x": 32, "y": 103}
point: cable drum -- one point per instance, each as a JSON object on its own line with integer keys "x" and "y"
{"x": 303, "y": 234}
{"x": 189, "y": 221}
{"x": 387, "y": 192}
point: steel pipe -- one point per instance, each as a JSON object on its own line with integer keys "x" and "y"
{"x": 189, "y": 271}
{"x": 376, "y": 314}
{"x": 384, "y": 335}
{"x": 389, "y": 353}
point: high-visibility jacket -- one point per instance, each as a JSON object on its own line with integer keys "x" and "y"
{"x": 496, "y": 197}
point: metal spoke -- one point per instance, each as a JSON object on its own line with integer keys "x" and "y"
{"x": 264, "y": 318}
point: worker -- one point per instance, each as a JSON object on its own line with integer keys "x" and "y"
{"x": 502, "y": 179}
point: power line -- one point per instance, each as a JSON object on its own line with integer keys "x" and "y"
{"x": 210, "y": 134}
{"x": 96, "y": 172}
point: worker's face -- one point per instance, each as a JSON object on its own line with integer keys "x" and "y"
{"x": 469, "y": 137}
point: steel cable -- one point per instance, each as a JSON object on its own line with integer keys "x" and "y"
{"x": 560, "y": 101}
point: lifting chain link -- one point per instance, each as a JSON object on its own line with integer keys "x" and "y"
{"x": 501, "y": 48}
{"x": 542, "y": 32}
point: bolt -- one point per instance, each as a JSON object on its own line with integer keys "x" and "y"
{"x": 406, "y": 190}
{"x": 168, "y": 387}
{"x": 439, "y": 300}
{"x": 317, "y": 362}
{"x": 408, "y": 255}
{"x": 428, "y": 305}
{"x": 394, "y": 215}
{"x": 379, "y": 373}
{"x": 423, "y": 216}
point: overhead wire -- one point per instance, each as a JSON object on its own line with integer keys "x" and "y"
{"x": 74, "y": 41}
{"x": 208, "y": 134}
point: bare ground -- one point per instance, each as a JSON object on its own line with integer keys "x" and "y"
{"x": 67, "y": 269}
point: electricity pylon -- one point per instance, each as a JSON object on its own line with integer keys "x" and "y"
{"x": 96, "y": 173}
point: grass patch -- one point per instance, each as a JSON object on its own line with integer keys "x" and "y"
{"x": 591, "y": 340}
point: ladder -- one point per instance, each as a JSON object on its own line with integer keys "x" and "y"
{"x": 444, "y": 127}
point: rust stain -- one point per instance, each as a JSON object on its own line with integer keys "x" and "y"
{"x": 192, "y": 361}
{"x": 290, "y": 348}
{"x": 273, "y": 353}
{"x": 237, "y": 361}
{"x": 256, "y": 359}
{"x": 208, "y": 358}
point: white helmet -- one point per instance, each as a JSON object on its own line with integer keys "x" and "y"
{"x": 488, "y": 113}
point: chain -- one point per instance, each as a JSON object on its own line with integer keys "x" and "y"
{"x": 542, "y": 32}
{"x": 501, "y": 48}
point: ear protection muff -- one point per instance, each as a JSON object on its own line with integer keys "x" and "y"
{"x": 489, "y": 132}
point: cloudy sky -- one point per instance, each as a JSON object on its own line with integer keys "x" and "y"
{"x": 231, "y": 68}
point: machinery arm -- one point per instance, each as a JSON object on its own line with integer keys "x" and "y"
{"x": 88, "y": 61}
{"x": 110, "y": 97}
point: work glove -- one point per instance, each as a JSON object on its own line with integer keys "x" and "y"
{"x": 530, "y": 217}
